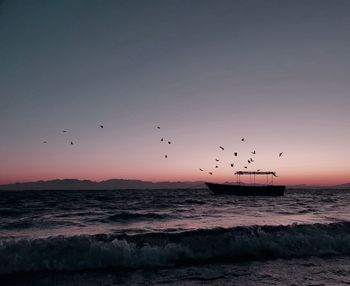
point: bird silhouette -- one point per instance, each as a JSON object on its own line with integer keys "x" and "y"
{"x": 248, "y": 161}
{"x": 280, "y": 154}
{"x": 64, "y": 131}
{"x": 162, "y": 139}
{"x": 236, "y": 154}
{"x": 166, "y": 156}
{"x": 210, "y": 173}
{"x": 253, "y": 152}
{"x": 158, "y": 127}
{"x": 222, "y": 148}
{"x": 216, "y": 166}
{"x": 71, "y": 143}
{"x": 251, "y": 160}
{"x": 44, "y": 142}
{"x": 242, "y": 139}
{"x": 258, "y": 170}
{"x": 232, "y": 164}
{"x": 217, "y": 160}
{"x": 201, "y": 170}
{"x": 169, "y": 142}
{"x": 245, "y": 167}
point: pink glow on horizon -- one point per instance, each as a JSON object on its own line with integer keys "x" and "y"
{"x": 322, "y": 180}
{"x": 298, "y": 165}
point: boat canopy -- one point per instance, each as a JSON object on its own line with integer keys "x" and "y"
{"x": 255, "y": 173}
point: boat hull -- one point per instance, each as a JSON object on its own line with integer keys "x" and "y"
{"x": 241, "y": 190}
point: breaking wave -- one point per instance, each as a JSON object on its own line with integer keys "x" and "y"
{"x": 170, "y": 249}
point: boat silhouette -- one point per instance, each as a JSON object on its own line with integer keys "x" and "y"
{"x": 248, "y": 190}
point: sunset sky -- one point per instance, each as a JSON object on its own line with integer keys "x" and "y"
{"x": 207, "y": 72}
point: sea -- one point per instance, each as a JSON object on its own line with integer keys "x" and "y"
{"x": 174, "y": 237}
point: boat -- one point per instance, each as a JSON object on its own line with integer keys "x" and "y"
{"x": 249, "y": 190}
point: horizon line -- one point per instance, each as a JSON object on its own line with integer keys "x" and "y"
{"x": 157, "y": 182}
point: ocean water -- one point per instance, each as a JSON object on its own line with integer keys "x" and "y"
{"x": 174, "y": 237}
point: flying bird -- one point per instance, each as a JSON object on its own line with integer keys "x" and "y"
{"x": 210, "y": 173}
{"x": 64, "y": 131}
{"x": 216, "y": 166}
{"x": 248, "y": 161}
{"x": 245, "y": 167}
{"x": 242, "y": 139}
{"x": 201, "y": 170}
{"x": 101, "y": 126}
{"x": 162, "y": 139}
{"x": 217, "y": 160}
{"x": 169, "y": 142}
{"x": 280, "y": 154}
{"x": 232, "y": 165}
{"x": 166, "y": 156}
{"x": 44, "y": 142}
{"x": 71, "y": 143}
{"x": 222, "y": 148}
{"x": 236, "y": 154}
{"x": 251, "y": 160}
{"x": 158, "y": 127}
{"x": 258, "y": 170}
{"x": 253, "y": 152}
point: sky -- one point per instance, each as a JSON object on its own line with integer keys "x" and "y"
{"x": 207, "y": 72}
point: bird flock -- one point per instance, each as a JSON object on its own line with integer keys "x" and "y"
{"x": 250, "y": 160}
{"x": 163, "y": 140}
{"x": 66, "y": 131}
{"x": 167, "y": 141}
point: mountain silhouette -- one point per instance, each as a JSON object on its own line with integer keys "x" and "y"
{"x": 122, "y": 184}
{"x": 113, "y": 184}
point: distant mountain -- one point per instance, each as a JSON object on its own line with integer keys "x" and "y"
{"x": 114, "y": 184}
{"x": 120, "y": 184}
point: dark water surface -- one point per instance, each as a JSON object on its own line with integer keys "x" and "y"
{"x": 176, "y": 237}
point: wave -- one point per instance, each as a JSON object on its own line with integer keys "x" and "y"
{"x": 194, "y": 202}
{"x": 171, "y": 249}
{"x": 26, "y": 223}
{"x": 9, "y": 212}
{"x": 18, "y": 224}
{"x": 127, "y": 216}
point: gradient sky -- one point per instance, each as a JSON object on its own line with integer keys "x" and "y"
{"x": 207, "y": 72}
